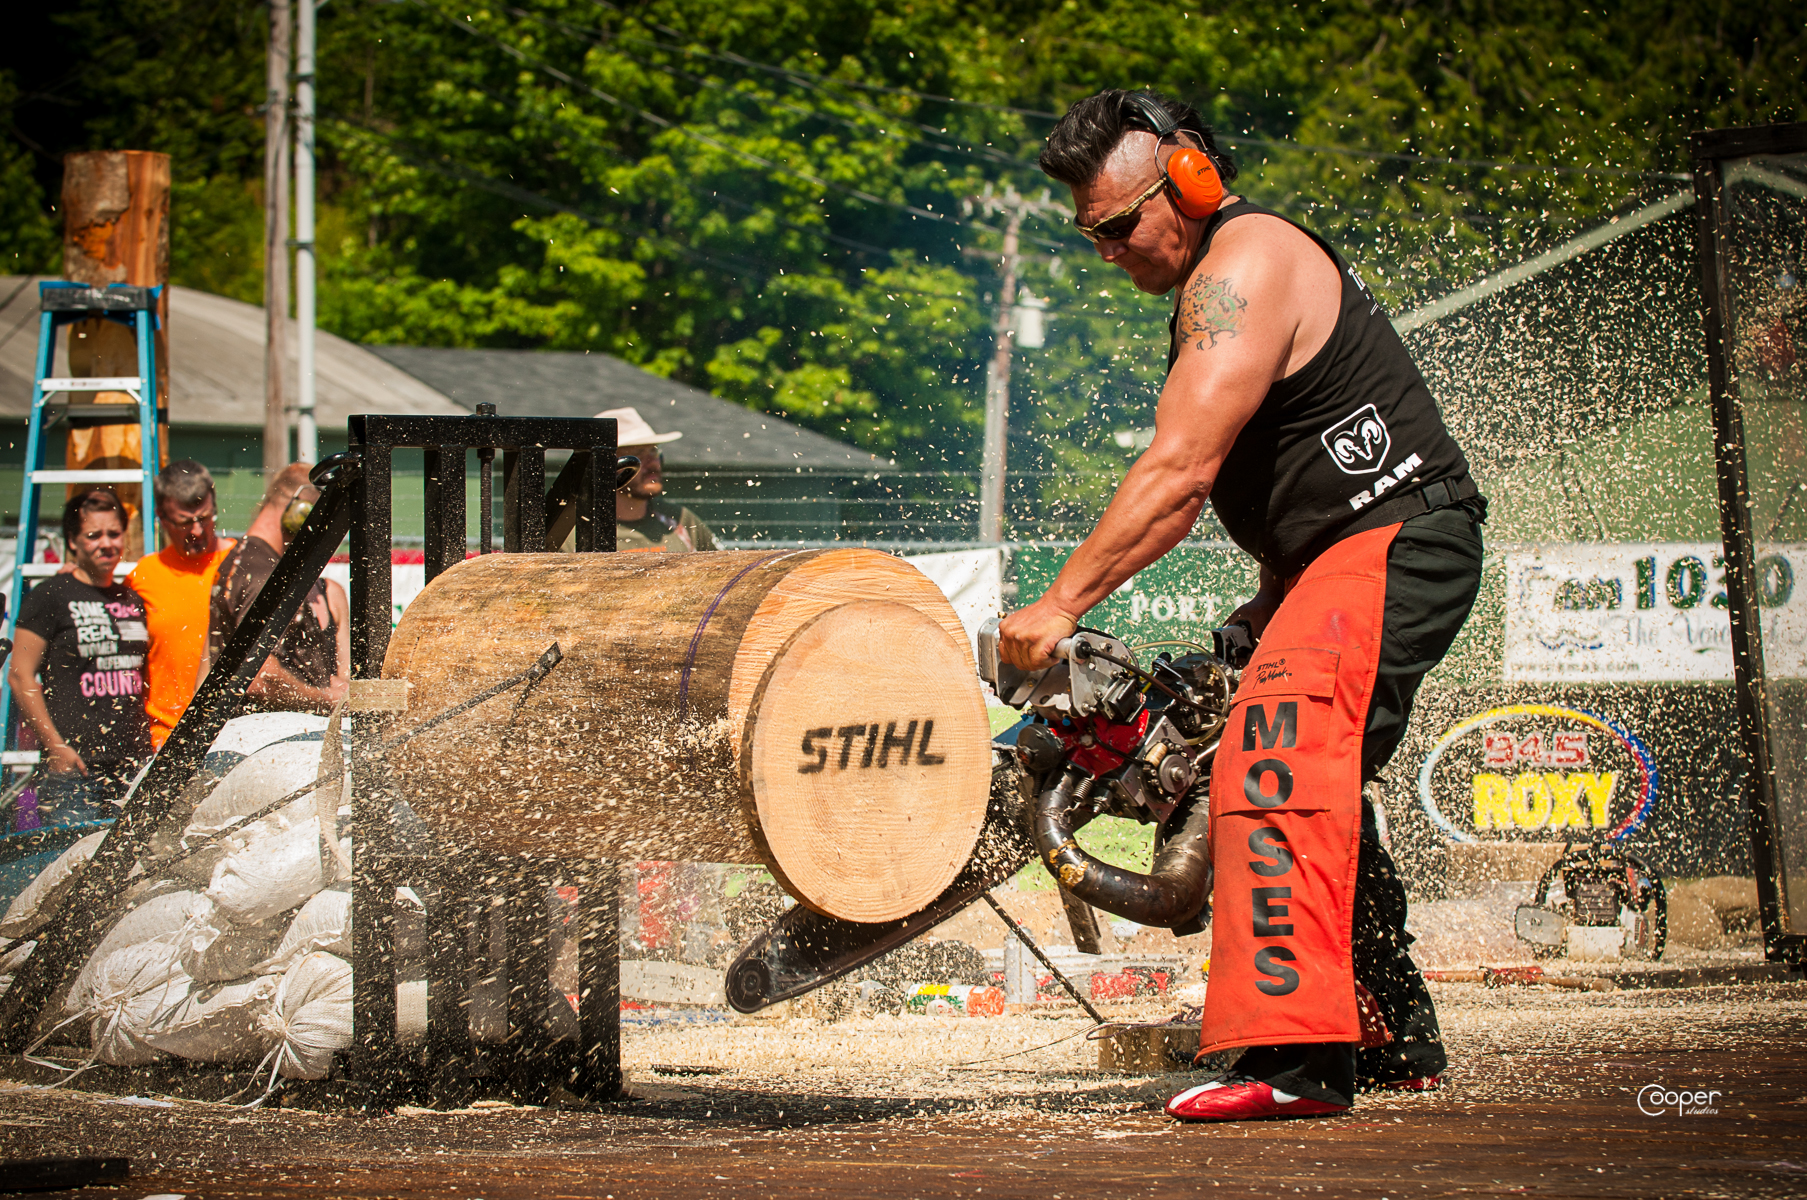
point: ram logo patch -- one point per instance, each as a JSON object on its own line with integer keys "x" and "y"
{"x": 1359, "y": 443}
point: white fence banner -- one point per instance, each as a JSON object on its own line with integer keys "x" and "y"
{"x": 1643, "y": 612}
{"x": 973, "y": 580}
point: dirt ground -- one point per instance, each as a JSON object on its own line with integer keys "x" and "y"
{"x": 1543, "y": 1098}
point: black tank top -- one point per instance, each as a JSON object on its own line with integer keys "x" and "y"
{"x": 1353, "y": 428}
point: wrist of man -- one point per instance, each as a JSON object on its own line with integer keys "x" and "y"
{"x": 1062, "y": 607}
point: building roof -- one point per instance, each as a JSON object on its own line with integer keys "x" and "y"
{"x": 216, "y": 360}
{"x": 558, "y": 383}
{"x": 217, "y": 381}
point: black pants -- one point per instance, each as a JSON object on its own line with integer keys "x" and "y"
{"x": 1433, "y": 574}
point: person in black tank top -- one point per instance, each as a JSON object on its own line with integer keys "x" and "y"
{"x": 1340, "y": 445}
{"x": 1292, "y": 406}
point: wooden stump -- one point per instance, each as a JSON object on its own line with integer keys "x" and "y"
{"x": 816, "y": 711}
{"x": 115, "y": 230}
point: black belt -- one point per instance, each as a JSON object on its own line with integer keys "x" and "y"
{"x": 1440, "y": 493}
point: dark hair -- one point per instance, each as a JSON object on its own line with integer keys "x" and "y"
{"x": 1092, "y": 127}
{"x": 185, "y": 482}
{"x": 94, "y": 500}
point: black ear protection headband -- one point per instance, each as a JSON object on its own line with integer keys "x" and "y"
{"x": 1192, "y": 178}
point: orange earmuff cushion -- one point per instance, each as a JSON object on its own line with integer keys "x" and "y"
{"x": 1197, "y": 187}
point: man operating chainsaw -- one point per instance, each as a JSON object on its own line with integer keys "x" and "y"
{"x": 1293, "y": 407}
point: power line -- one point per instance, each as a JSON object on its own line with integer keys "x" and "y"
{"x": 653, "y": 118}
{"x": 814, "y": 82}
{"x": 743, "y": 268}
{"x": 1484, "y": 163}
{"x": 857, "y": 193}
{"x": 867, "y": 87}
{"x": 611, "y": 43}
{"x": 712, "y": 194}
{"x": 1234, "y": 139}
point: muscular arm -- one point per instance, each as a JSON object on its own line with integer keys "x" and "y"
{"x": 1239, "y": 317}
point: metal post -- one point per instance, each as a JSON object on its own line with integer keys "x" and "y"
{"x": 1019, "y": 972}
{"x": 997, "y": 385}
{"x": 307, "y": 432}
{"x": 276, "y": 236}
{"x": 993, "y": 464}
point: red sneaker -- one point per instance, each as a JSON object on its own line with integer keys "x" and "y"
{"x": 1417, "y": 1083}
{"x": 1245, "y": 1100}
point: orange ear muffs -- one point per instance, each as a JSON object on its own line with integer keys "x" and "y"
{"x": 1192, "y": 177}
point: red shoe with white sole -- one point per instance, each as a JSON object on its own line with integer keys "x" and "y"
{"x": 1417, "y": 1083}
{"x": 1245, "y": 1100}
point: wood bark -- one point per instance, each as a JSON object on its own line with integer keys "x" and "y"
{"x": 116, "y": 230}
{"x": 815, "y": 711}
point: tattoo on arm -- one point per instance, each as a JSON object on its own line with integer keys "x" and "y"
{"x": 1210, "y": 309}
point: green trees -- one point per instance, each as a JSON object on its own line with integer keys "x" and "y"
{"x": 761, "y": 198}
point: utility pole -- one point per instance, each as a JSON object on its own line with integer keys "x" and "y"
{"x": 276, "y": 239}
{"x": 307, "y": 432}
{"x": 997, "y": 376}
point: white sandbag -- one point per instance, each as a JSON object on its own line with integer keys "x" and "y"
{"x": 214, "y": 1023}
{"x": 11, "y": 961}
{"x": 261, "y": 779}
{"x": 32, "y": 908}
{"x": 270, "y": 876}
{"x": 212, "y": 849}
{"x": 254, "y": 731}
{"x": 324, "y": 923}
{"x": 132, "y": 989}
{"x": 157, "y": 918}
{"x": 213, "y": 949}
{"x": 310, "y": 1017}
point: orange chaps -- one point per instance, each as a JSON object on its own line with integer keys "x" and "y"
{"x": 1286, "y": 810}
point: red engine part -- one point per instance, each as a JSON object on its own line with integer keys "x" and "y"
{"x": 1119, "y": 985}
{"x": 1098, "y": 746}
{"x": 1130, "y": 981}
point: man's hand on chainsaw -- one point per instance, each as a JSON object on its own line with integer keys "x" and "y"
{"x": 1027, "y": 637}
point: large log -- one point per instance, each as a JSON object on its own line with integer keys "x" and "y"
{"x": 815, "y": 711}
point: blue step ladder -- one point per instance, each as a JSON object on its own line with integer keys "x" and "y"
{"x": 61, "y": 304}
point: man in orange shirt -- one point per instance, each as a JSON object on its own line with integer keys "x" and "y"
{"x": 176, "y": 584}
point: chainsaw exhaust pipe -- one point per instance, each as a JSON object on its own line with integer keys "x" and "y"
{"x": 1171, "y": 894}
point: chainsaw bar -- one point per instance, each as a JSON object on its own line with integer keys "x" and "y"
{"x": 802, "y": 950}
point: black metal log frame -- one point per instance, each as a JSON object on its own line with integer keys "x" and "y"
{"x": 1711, "y": 150}
{"x": 493, "y": 925}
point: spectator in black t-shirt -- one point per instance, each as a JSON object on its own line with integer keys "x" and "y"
{"x": 84, "y": 633}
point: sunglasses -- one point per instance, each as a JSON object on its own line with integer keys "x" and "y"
{"x": 1119, "y": 225}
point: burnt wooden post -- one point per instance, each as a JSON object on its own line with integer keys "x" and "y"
{"x": 116, "y": 230}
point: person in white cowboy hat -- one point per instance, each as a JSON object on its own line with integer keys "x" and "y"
{"x": 642, "y": 520}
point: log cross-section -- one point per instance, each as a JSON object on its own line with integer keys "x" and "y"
{"x": 675, "y": 725}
